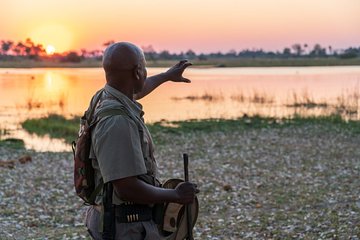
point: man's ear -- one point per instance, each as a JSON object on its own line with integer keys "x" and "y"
{"x": 137, "y": 72}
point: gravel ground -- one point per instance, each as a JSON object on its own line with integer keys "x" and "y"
{"x": 299, "y": 182}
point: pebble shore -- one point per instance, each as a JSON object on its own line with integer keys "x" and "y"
{"x": 299, "y": 182}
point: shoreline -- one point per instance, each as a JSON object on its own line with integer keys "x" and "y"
{"x": 211, "y": 63}
{"x": 60, "y": 128}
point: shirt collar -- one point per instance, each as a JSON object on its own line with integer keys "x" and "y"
{"x": 132, "y": 105}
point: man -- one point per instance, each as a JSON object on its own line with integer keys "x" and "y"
{"x": 122, "y": 148}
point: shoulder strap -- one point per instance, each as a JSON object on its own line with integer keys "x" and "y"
{"x": 92, "y": 108}
{"x": 112, "y": 112}
{"x": 96, "y": 191}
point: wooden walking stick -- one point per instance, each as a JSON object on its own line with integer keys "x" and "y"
{"x": 188, "y": 206}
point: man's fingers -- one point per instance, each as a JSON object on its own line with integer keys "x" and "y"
{"x": 185, "y": 65}
{"x": 186, "y": 80}
{"x": 180, "y": 63}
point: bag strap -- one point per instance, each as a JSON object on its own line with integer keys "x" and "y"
{"x": 96, "y": 191}
{"x": 112, "y": 112}
{"x": 92, "y": 109}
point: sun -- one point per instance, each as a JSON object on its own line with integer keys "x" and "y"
{"x": 52, "y": 35}
{"x": 50, "y": 49}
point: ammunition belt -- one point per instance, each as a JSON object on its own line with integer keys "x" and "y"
{"x": 130, "y": 212}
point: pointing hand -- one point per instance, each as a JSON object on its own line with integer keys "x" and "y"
{"x": 175, "y": 72}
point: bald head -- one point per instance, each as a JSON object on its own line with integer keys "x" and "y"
{"x": 124, "y": 65}
{"x": 122, "y": 56}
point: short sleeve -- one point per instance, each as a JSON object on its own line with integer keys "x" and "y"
{"x": 116, "y": 144}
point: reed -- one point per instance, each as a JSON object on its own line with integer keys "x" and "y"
{"x": 261, "y": 98}
{"x": 4, "y": 132}
{"x": 348, "y": 103}
{"x": 305, "y": 101}
{"x": 207, "y": 97}
{"x": 239, "y": 97}
{"x": 32, "y": 104}
{"x": 62, "y": 101}
{"x": 256, "y": 97}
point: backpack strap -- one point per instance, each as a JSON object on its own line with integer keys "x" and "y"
{"x": 112, "y": 112}
{"x": 92, "y": 108}
{"x": 96, "y": 191}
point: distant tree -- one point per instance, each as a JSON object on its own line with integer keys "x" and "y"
{"x": 38, "y": 50}
{"x": 83, "y": 52}
{"x": 96, "y": 54}
{"x": 202, "y": 57}
{"x": 216, "y": 55}
{"x": 190, "y": 54}
{"x": 149, "y": 52}
{"x": 231, "y": 53}
{"x": 19, "y": 49}
{"x": 318, "y": 51}
{"x": 71, "y": 57}
{"x": 305, "y": 47}
{"x": 32, "y": 50}
{"x": 286, "y": 52}
{"x": 28, "y": 46}
{"x": 108, "y": 43}
{"x": 330, "y": 49}
{"x": 182, "y": 55}
{"x": 298, "y": 49}
{"x": 350, "y": 53}
{"x": 165, "y": 54}
{"x": 271, "y": 54}
{"x": 148, "y": 48}
{"x": 6, "y": 46}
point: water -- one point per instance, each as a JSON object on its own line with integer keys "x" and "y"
{"x": 213, "y": 93}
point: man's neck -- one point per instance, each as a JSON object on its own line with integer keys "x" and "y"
{"x": 126, "y": 90}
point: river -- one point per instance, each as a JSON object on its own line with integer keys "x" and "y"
{"x": 213, "y": 93}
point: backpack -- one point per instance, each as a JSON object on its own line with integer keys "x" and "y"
{"x": 84, "y": 174}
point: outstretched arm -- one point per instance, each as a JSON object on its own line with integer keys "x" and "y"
{"x": 172, "y": 74}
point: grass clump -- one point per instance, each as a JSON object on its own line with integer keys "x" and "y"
{"x": 12, "y": 143}
{"x": 225, "y": 125}
{"x": 55, "y": 126}
{"x": 59, "y": 127}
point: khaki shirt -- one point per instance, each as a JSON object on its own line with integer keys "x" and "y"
{"x": 117, "y": 150}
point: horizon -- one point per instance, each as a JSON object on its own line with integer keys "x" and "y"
{"x": 202, "y": 26}
{"x": 306, "y": 49}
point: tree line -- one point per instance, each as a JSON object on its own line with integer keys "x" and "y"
{"x": 27, "y": 49}
{"x": 11, "y": 50}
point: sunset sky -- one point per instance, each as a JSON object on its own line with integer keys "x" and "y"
{"x": 201, "y": 25}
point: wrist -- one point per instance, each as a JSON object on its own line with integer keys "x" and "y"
{"x": 164, "y": 77}
{"x": 171, "y": 195}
